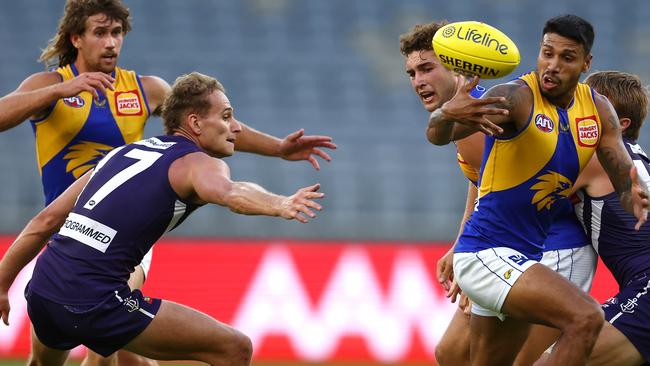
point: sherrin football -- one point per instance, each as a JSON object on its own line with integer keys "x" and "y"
{"x": 476, "y": 48}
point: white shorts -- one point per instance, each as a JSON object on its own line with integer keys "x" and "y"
{"x": 578, "y": 265}
{"x": 487, "y": 276}
{"x": 146, "y": 262}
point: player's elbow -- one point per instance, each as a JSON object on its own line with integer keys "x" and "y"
{"x": 47, "y": 221}
{"x": 436, "y": 139}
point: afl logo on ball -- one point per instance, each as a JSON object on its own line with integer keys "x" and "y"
{"x": 544, "y": 123}
{"x": 448, "y": 31}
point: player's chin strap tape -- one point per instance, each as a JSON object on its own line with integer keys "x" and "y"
{"x": 146, "y": 262}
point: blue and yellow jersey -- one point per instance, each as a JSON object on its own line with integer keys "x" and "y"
{"x": 468, "y": 171}
{"x": 525, "y": 179}
{"x": 78, "y": 131}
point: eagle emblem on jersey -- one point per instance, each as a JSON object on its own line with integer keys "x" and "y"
{"x": 84, "y": 156}
{"x": 550, "y": 187}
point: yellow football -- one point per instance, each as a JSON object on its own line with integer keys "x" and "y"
{"x": 476, "y": 48}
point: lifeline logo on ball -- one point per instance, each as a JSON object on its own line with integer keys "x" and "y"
{"x": 449, "y": 32}
{"x": 475, "y": 48}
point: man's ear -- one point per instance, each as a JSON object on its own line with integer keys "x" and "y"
{"x": 194, "y": 123}
{"x": 74, "y": 39}
{"x": 625, "y": 123}
{"x": 587, "y": 64}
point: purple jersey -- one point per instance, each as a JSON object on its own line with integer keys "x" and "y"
{"x": 625, "y": 251}
{"x": 127, "y": 204}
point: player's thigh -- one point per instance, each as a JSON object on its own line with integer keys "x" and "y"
{"x": 95, "y": 359}
{"x": 496, "y": 342}
{"x": 540, "y": 338}
{"x": 43, "y": 355}
{"x": 180, "y": 332}
{"x": 613, "y": 348}
{"x": 542, "y": 296}
{"x": 453, "y": 347}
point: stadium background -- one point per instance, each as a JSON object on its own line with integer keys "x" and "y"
{"x": 393, "y": 200}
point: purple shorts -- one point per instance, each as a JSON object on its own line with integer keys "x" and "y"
{"x": 104, "y": 327}
{"x": 629, "y": 312}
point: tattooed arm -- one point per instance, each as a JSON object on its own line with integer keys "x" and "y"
{"x": 500, "y": 111}
{"x": 617, "y": 163}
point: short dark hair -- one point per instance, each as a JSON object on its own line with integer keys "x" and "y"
{"x": 574, "y": 27}
{"x": 419, "y": 37}
{"x": 627, "y": 94}
{"x": 189, "y": 94}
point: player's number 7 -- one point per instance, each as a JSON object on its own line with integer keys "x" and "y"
{"x": 145, "y": 159}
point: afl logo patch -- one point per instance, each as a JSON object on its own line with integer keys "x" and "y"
{"x": 544, "y": 123}
{"x": 588, "y": 131}
{"x": 74, "y": 102}
{"x": 128, "y": 103}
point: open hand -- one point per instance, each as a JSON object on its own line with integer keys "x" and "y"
{"x": 297, "y": 146}
{"x": 472, "y": 112}
{"x": 92, "y": 82}
{"x": 299, "y": 205}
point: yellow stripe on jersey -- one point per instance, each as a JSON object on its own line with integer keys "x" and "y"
{"x": 469, "y": 171}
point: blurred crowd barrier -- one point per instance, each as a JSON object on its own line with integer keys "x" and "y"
{"x": 338, "y": 301}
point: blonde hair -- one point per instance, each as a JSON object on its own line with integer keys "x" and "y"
{"x": 189, "y": 95}
{"x": 626, "y": 93}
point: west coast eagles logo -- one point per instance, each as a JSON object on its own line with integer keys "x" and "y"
{"x": 550, "y": 187}
{"x": 84, "y": 156}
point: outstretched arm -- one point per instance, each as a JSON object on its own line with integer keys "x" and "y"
{"x": 296, "y": 146}
{"x": 203, "y": 179}
{"x": 617, "y": 163}
{"x": 32, "y": 239}
{"x": 39, "y": 91}
{"x": 499, "y": 111}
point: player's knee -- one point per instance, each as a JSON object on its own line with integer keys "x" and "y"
{"x": 449, "y": 355}
{"x": 239, "y": 349}
{"x": 590, "y": 320}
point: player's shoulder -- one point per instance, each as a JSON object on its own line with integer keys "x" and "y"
{"x": 154, "y": 83}
{"x": 40, "y": 80}
{"x": 599, "y": 98}
{"x": 156, "y": 89}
